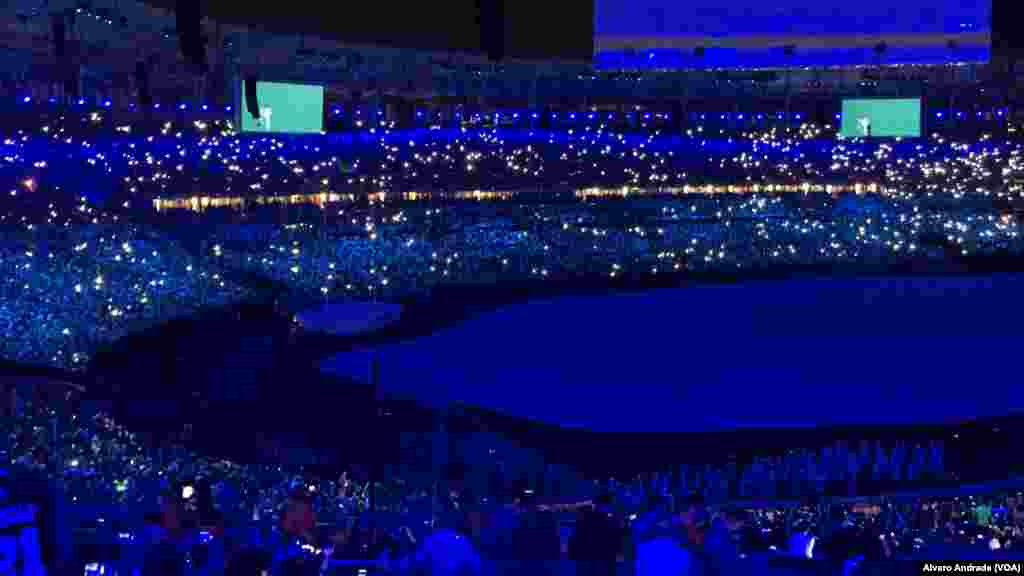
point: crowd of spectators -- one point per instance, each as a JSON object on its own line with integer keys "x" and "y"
{"x": 132, "y": 502}
{"x": 391, "y": 214}
{"x": 75, "y": 278}
{"x": 105, "y": 464}
{"x": 416, "y": 249}
{"x": 107, "y": 229}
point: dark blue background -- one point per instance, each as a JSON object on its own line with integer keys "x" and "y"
{"x": 785, "y": 17}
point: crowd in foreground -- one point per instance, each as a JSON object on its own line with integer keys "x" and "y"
{"x": 389, "y": 214}
{"x": 132, "y": 505}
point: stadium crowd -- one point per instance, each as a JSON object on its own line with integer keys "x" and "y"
{"x": 94, "y": 247}
{"x": 113, "y": 222}
{"x": 75, "y": 278}
{"x": 129, "y": 502}
{"x": 110, "y": 227}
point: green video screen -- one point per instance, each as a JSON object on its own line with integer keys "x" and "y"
{"x": 881, "y": 118}
{"x": 285, "y": 108}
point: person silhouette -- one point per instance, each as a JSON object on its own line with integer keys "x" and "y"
{"x": 865, "y": 125}
{"x": 265, "y": 117}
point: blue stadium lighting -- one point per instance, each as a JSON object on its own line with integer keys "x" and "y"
{"x": 53, "y": 100}
{"x": 106, "y": 104}
{"x": 572, "y": 116}
{"x": 748, "y": 18}
{"x": 723, "y": 116}
{"x": 419, "y": 114}
{"x": 703, "y": 116}
{"x": 799, "y": 116}
{"x": 535, "y": 115}
{"x": 959, "y": 114}
{"x": 611, "y": 115}
{"x": 182, "y": 106}
{"x": 647, "y": 116}
{"x": 838, "y": 116}
{"x": 495, "y": 157}
{"x": 979, "y": 114}
{"x": 938, "y": 114}
{"x": 590, "y": 116}
{"x": 780, "y": 115}
{"x": 81, "y": 102}
{"x": 227, "y": 108}
{"x": 205, "y": 107}
{"x": 156, "y": 106}
{"x": 26, "y": 99}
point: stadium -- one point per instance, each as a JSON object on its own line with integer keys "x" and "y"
{"x": 482, "y": 288}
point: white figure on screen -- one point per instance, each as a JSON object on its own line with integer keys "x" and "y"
{"x": 265, "y": 114}
{"x": 865, "y": 125}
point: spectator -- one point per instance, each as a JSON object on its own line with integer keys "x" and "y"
{"x": 163, "y": 559}
{"x": 299, "y": 519}
{"x": 597, "y": 540}
{"x": 665, "y": 550}
{"x": 722, "y": 542}
{"x": 447, "y": 551}
{"x": 693, "y": 518}
{"x": 656, "y": 511}
{"x": 33, "y": 512}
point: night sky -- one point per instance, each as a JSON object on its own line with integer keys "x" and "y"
{"x": 533, "y": 29}
{"x": 447, "y": 25}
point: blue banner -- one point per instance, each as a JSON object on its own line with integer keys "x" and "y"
{"x": 789, "y": 17}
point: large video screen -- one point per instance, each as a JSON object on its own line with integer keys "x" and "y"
{"x": 284, "y": 109}
{"x": 881, "y": 118}
{"x": 753, "y": 33}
